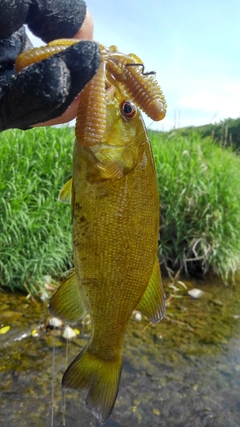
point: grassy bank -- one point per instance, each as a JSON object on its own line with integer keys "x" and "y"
{"x": 200, "y": 205}
{"x": 35, "y": 230}
{"x": 225, "y": 133}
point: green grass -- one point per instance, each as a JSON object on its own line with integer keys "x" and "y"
{"x": 35, "y": 230}
{"x": 199, "y": 184}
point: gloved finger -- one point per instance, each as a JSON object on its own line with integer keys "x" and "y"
{"x": 69, "y": 114}
{"x": 44, "y": 90}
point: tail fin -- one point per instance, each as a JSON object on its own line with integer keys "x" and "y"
{"x": 98, "y": 379}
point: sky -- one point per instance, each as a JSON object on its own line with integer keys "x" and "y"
{"x": 192, "y": 45}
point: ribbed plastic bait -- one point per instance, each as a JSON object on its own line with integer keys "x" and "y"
{"x": 38, "y": 54}
{"x": 91, "y": 114}
{"x": 125, "y": 72}
{"x": 141, "y": 87}
{"x": 144, "y": 90}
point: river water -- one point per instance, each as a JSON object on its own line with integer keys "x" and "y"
{"x": 183, "y": 372}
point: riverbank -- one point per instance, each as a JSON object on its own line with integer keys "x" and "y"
{"x": 183, "y": 372}
{"x": 199, "y": 203}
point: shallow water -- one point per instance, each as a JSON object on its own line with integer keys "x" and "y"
{"x": 183, "y": 372}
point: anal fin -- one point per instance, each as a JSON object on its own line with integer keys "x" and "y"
{"x": 152, "y": 303}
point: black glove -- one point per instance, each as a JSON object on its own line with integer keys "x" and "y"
{"x": 43, "y": 90}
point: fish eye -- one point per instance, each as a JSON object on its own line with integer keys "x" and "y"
{"x": 128, "y": 109}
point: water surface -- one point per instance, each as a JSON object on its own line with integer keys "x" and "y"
{"x": 183, "y": 372}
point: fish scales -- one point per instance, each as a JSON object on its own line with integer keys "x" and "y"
{"x": 118, "y": 262}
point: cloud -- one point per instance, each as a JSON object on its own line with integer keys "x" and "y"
{"x": 233, "y": 88}
{"x": 224, "y": 105}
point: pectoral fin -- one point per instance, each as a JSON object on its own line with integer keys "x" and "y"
{"x": 106, "y": 170}
{"x": 67, "y": 303}
{"x": 152, "y": 303}
{"x": 110, "y": 170}
{"x": 65, "y": 194}
{"x": 102, "y": 170}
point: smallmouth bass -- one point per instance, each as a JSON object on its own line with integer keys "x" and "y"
{"x": 115, "y": 210}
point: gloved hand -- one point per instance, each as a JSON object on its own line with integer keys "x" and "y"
{"x": 43, "y": 90}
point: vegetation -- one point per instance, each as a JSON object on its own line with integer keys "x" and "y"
{"x": 200, "y": 205}
{"x": 35, "y": 230}
{"x": 226, "y": 133}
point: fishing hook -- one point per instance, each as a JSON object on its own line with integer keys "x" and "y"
{"x": 143, "y": 68}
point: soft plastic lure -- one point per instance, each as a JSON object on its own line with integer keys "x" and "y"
{"x": 125, "y": 72}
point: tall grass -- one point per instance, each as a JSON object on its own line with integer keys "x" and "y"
{"x": 35, "y": 230}
{"x": 199, "y": 184}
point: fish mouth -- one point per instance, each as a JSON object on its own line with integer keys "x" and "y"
{"x": 110, "y": 92}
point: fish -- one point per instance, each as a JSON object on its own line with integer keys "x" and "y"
{"x": 115, "y": 216}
